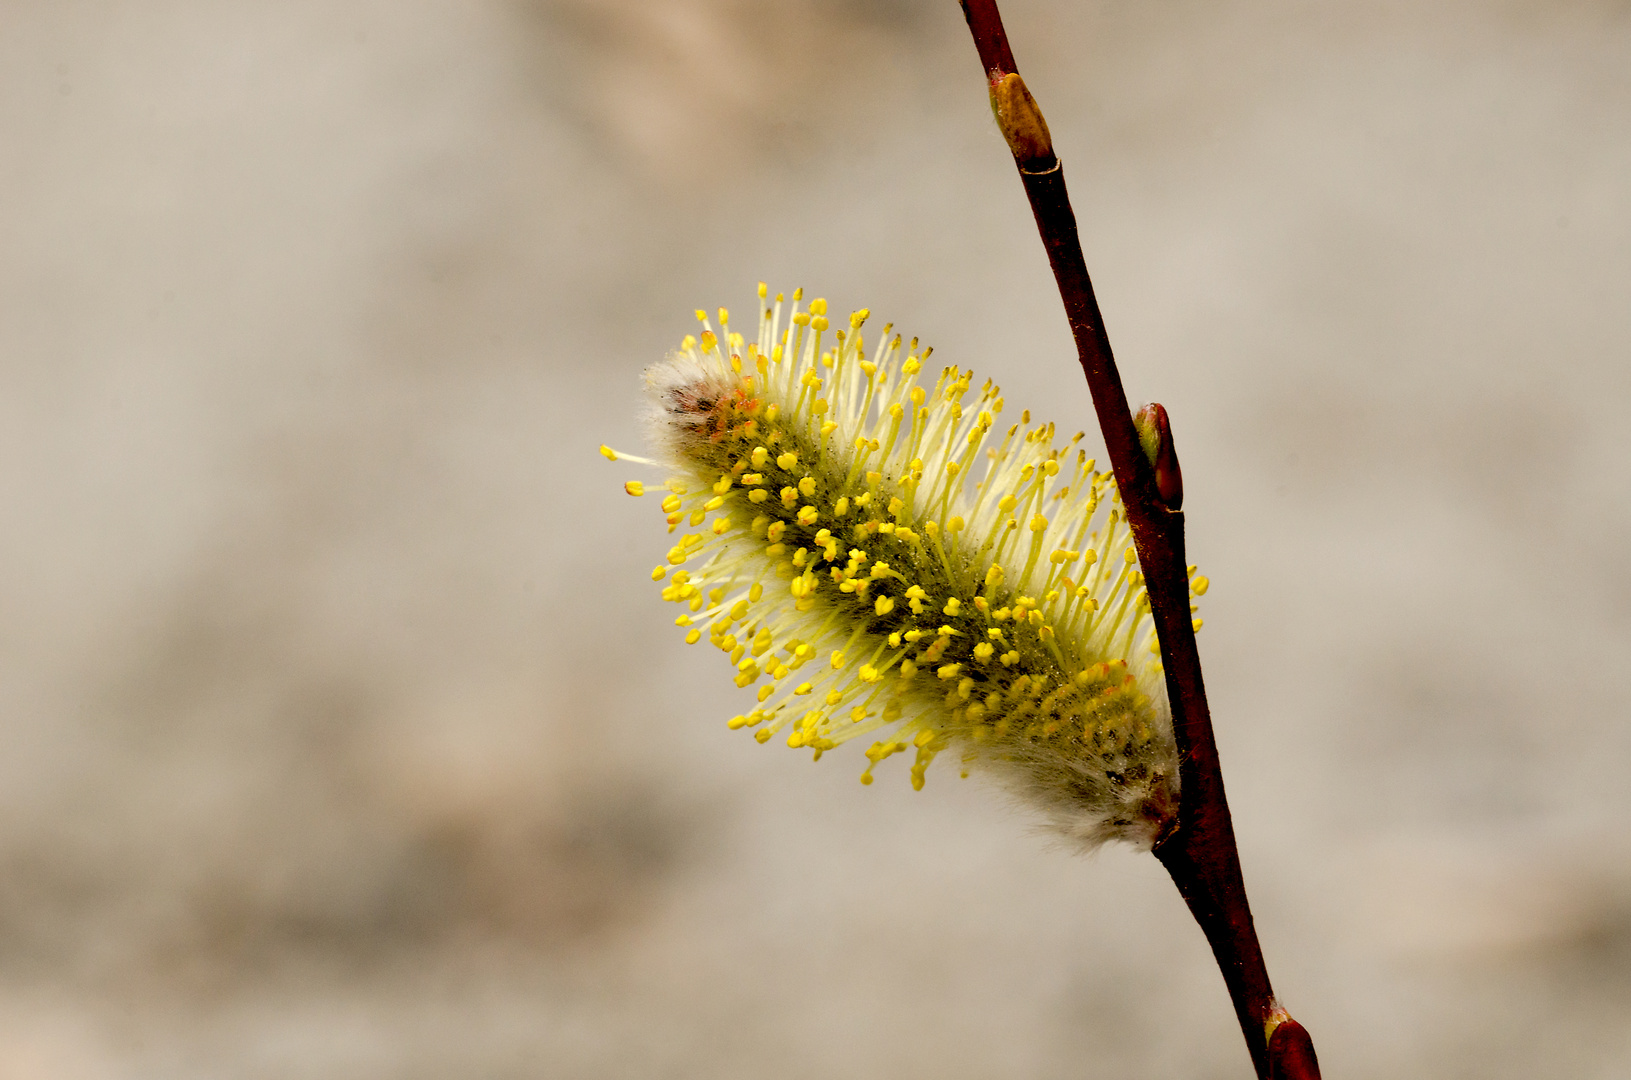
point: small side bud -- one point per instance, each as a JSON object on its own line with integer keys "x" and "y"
{"x": 1022, "y": 124}
{"x": 1291, "y": 1052}
{"x": 1155, "y": 436}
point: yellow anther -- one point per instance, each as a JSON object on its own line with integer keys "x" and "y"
{"x": 1197, "y": 625}
{"x": 758, "y": 495}
{"x": 739, "y": 610}
{"x": 714, "y": 503}
{"x": 965, "y": 688}
{"x": 1038, "y": 523}
{"x": 1200, "y": 585}
{"x": 1130, "y": 556}
{"x": 802, "y": 688}
{"x": 671, "y": 504}
{"x": 807, "y": 486}
{"x": 775, "y": 531}
{"x": 709, "y": 341}
{"x": 808, "y": 516}
{"x": 837, "y": 659}
{"x": 1010, "y": 658}
{"x": 907, "y": 669}
{"x": 607, "y": 452}
{"x": 869, "y": 673}
{"x": 759, "y": 456}
{"x": 881, "y": 570}
{"x": 949, "y": 671}
{"x": 693, "y": 637}
{"x": 924, "y": 738}
{"x": 723, "y": 484}
{"x": 818, "y": 306}
{"x": 842, "y": 507}
{"x": 749, "y": 479}
{"x": 954, "y": 606}
{"x": 634, "y": 487}
{"x": 858, "y": 317}
{"x": 657, "y": 572}
{"x": 955, "y": 525}
{"x": 983, "y": 651}
{"x": 787, "y": 460}
{"x": 884, "y": 605}
{"x": 1007, "y": 503}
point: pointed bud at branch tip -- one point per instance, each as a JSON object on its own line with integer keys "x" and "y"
{"x": 1022, "y": 124}
{"x": 1155, "y": 436}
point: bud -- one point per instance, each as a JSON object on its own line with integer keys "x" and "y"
{"x": 1022, "y": 124}
{"x": 1291, "y": 1051}
{"x": 1155, "y": 436}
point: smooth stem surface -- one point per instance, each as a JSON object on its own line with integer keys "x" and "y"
{"x": 1199, "y": 852}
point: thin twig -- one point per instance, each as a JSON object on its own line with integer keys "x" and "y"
{"x": 1199, "y": 851}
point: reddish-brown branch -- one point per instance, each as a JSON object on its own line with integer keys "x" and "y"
{"x": 1199, "y": 852}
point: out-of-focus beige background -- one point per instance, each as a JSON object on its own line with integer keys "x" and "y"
{"x": 342, "y": 733}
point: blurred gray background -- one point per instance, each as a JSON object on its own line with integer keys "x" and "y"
{"x": 342, "y": 733}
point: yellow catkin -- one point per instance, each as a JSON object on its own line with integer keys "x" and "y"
{"x": 873, "y": 529}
